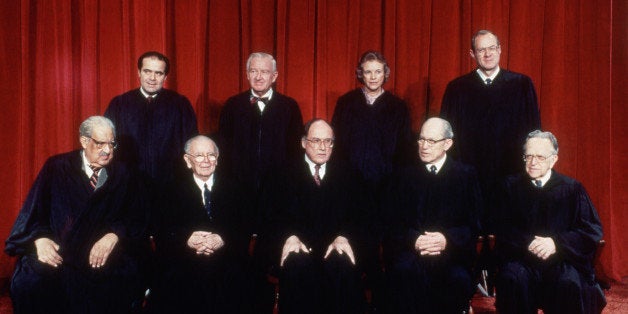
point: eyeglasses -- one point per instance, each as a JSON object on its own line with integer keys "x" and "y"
{"x": 484, "y": 50}
{"x": 429, "y": 142}
{"x": 100, "y": 145}
{"x": 255, "y": 72}
{"x": 326, "y": 142}
{"x": 539, "y": 158}
{"x": 201, "y": 157}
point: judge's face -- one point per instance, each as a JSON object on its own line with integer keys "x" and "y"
{"x": 202, "y": 158}
{"x": 319, "y": 143}
{"x": 486, "y": 53}
{"x": 539, "y": 157}
{"x": 373, "y": 75}
{"x": 261, "y": 75}
{"x": 99, "y": 147}
{"x": 432, "y": 144}
{"x": 152, "y": 75}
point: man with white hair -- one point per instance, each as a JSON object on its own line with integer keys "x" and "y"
{"x": 433, "y": 208}
{"x": 79, "y": 233}
{"x": 548, "y": 231}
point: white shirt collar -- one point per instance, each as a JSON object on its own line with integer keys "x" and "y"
{"x": 484, "y": 77}
{"x": 86, "y": 168}
{"x": 371, "y": 99}
{"x": 269, "y": 95}
{"x": 311, "y": 165}
{"x": 201, "y": 184}
{"x": 146, "y": 94}
{"x": 439, "y": 164}
{"x": 544, "y": 178}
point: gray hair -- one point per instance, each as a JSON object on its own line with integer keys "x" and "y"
{"x": 262, "y": 55}
{"x": 188, "y": 143}
{"x": 540, "y": 134}
{"x": 448, "y": 132}
{"x": 481, "y": 33}
{"x": 87, "y": 127}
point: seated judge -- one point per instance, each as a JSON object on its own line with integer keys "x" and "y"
{"x": 320, "y": 209}
{"x": 202, "y": 240}
{"x": 547, "y": 235}
{"x": 430, "y": 247}
{"x": 77, "y": 234}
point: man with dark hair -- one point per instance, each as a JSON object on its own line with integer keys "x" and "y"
{"x": 153, "y": 122}
{"x": 547, "y": 235}
{"x": 202, "y": 240}
{"x": 491, "y": 110}
{"x": 432, "y": 208}
{"x": 78, "y": 235}
{"x": 319, "y": 210}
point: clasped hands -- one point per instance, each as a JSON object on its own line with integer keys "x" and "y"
{"x": 205, "y": 243}
{"x": 48, "y": 251}
{"x": 430, "y": 243}
{"x": 294, "y": 245}
{"x": 542, "y": 247}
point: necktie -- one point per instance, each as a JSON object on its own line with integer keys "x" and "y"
{"x": 93, "y": 180}
{"x": 489, "y": 81}
{"x": 433, "y": 170}
{"x": 150, "y": 99}
{"x": 317, "y": 176}
{"x": 538, "y": 183}
{"x": 254, "y": 100}
{"x": 207, "y": 198}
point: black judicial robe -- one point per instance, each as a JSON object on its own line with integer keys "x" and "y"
{"x": 151, "y": 137}
{"x": 253, "y": 142}
{"x": 191, "y": 283}
{"x": 562, "y": 210}
{"x": 317, "y": 215}
{"x": 449, "y": 203}
{"x": 62, "y": 206}
{"x": 491, "y": 122}
{"x": 373, "y": 139}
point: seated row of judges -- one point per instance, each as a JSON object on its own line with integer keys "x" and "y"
{"x": 81, "y": 235}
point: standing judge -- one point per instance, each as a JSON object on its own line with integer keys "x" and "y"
{"x": 547, "y": 238}
{"x": 491, "y": 111}
{"x": 319, "y": 224}
{"x": 153, "y": 123}
{"x": 77, "y": 234}
{"x": 202, "y": 239}
{"x": 431, "y": 246}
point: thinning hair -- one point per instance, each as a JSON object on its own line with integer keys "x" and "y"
{"x": 481, "y": 33}
{"x": 371, "y": 55}
{"x": 446, "y": 129}
{"x": 261, "y": 55}
{"x": 154, "y": 54}
{"x": 87, "y": 126}
{"x": 308, "y": 126}
{"x": 543, "y": 134}
{"x": 188, "y": 143}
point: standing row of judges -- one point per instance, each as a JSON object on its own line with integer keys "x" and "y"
{"x": 320, "y": 216}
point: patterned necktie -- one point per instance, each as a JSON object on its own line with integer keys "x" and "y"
{"x": 433, "y": 170}
{"x": 254, "y": 100}
{"x": 489, "y": 81}
{"x": 538, "y": 183}
{"x": 207, "y": 198}
{"x": 93, "y": 180}
{"x": 317, "y": 176}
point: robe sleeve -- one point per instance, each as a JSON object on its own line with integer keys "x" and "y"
{"x": 33, "y": 220}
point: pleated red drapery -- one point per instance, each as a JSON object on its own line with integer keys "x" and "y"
{"x": 63, "y": 60}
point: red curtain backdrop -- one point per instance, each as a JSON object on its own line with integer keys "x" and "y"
{"x": 63, "y": 60}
